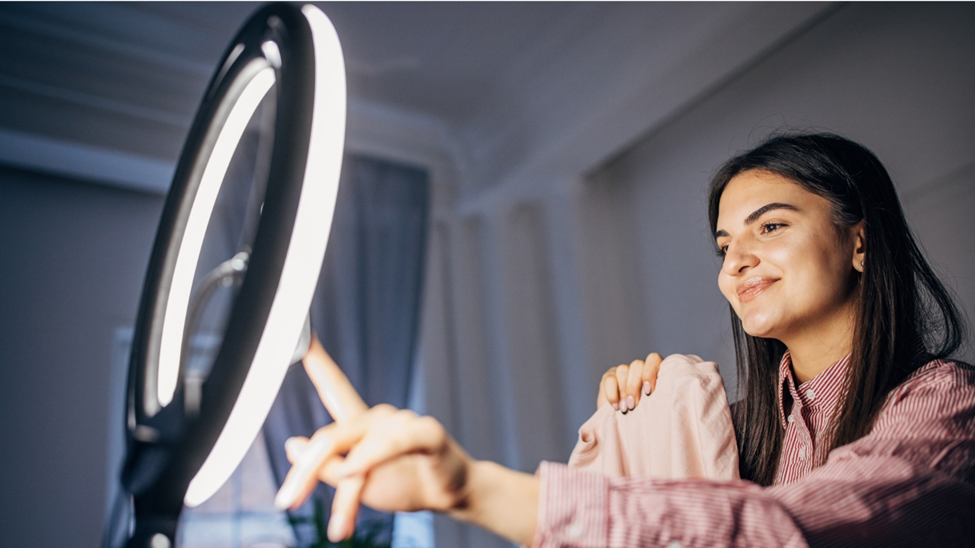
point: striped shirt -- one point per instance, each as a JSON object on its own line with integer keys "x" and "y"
{"x": 804, "y": 412}
{"x": 909, "y": 482}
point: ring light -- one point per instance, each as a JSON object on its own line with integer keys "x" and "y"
{"x": 177, "y": 303}
{"x": 184, "y": 437}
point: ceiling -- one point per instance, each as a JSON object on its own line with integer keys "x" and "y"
{"x": 108, "y": 90}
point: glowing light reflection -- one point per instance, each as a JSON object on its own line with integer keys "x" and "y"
{"x": 171, "y": 342}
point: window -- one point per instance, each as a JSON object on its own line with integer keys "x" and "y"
{"x": 242, "y": 513}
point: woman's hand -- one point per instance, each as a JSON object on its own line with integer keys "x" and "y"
{"x": 622, "y": 386}
{"x": 334, "y": 389}
{"x": 395, "y": 460}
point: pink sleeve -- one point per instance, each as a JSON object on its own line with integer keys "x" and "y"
{"x": 903, "y": 507}
{"x": 583, "y": 509}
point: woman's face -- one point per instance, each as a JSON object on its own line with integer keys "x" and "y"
{"x": 788, "y": 270}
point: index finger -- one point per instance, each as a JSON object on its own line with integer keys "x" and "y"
{"x": 308, "y": 457}
{"x": 608, "y": 391}
{"x": 650, "y": 370}
{"x": 323, "y": 449}
{"x": 336, "y": 392}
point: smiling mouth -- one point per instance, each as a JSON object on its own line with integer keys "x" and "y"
{"x": 753, "y": 287}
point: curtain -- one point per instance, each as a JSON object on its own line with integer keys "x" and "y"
{"x": 366, "y": 313}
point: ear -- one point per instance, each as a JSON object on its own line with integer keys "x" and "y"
{"x": 859, "y": 246}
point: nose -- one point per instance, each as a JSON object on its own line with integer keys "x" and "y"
{"x": 738, "y": 259}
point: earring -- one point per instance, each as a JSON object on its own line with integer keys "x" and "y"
{"x": 861, "y": 263}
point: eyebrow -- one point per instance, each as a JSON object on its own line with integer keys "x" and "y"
{"x": 758, "y": 213}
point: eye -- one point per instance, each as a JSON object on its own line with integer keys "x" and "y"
{"x": 722, "y": 250}
{"x": 768, "y": 228}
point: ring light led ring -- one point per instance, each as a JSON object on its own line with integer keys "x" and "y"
{"x": 298, "y": 51}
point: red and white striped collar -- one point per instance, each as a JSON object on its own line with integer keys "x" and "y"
{"x": 820, "y": 392}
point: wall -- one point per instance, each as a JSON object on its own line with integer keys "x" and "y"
{"x": 72, "y": 260}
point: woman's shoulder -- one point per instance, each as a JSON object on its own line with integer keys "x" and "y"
{"x": 930, "y": 418}
{"x": 938, "y": 382}
{"x": 942, "y": 371}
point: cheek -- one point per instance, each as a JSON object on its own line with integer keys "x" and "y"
{"x": 818, "y": 272}
{"x": 784, "y": 257}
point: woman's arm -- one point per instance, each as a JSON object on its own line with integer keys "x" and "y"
{"x": 910, "y": 482}
{"x": 504, "y": 502}
{"x": 871, "y": 501}
{"x": 397, "y": 461}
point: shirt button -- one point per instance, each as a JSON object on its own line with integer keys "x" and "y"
{"x": 802, "y": 452}
{"x": 810, "y": 394}
{"x": 790, "y": 418}
{"x": 574, "y": 531}
{"x": 675, "y": 544}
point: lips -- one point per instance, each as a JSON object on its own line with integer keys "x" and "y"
{"x": 753, "y": 287}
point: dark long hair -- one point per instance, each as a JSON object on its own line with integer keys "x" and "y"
{"x": 902, "y": 311}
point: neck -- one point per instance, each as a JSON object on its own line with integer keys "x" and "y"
{"x": 807, "y": 363}
{"x": 816, "y": 350}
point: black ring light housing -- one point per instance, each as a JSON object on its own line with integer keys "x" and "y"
{"x": 173, "y": 426}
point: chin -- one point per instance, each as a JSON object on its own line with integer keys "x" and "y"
{"x": 758, "y": 327}
{"x": 760, "y": 334}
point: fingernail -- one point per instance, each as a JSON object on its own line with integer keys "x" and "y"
{"x": 630, "y": 403}
{"x": 646, "y": 387}
{"x": 294, "y": 447}
{"x": 286, "y": 495}
{"x": 336, "y": 528}
{"x": 616, "y": 406}
{"x": 305, "y": 466}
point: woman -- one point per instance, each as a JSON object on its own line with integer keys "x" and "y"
{"x": 854, "y": 428}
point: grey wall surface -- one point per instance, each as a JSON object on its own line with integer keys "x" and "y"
{"x": 72, "y": 259}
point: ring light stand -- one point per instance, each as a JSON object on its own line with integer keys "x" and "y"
{"x": 185, "y": 436}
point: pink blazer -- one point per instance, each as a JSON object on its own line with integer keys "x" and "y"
{"x": 682, "y": 430}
